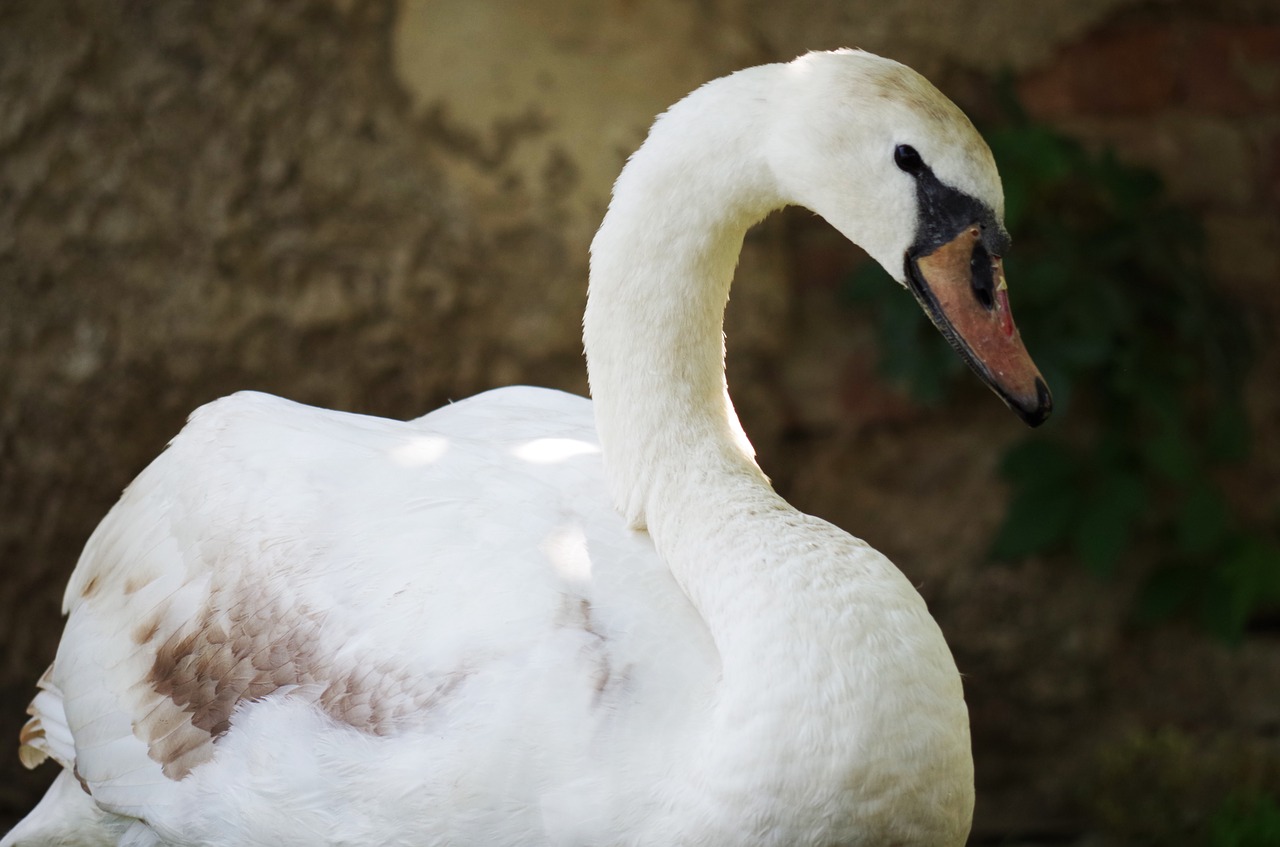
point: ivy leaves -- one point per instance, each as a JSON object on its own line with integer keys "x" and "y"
{"x": 1065, "y": 501}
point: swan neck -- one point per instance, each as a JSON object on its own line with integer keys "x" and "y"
{"x": 661, "y": 266}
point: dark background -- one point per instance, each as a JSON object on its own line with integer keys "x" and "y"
{"x": 378, "y": 207}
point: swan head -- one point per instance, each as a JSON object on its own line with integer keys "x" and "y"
{"x": 887, "y": 159}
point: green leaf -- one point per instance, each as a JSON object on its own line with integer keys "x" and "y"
{"x": 1246, "y": 581}
{"x": 1224, "y": 608}
{"x": 867, "y": 284}
{"x": 1044, "y": 501}
{"x": 1246, "y": 820}
{"x": 1107, "y": 520}
{"x": 1037, "y": 520}
{"x": 1085, "y": 351}
{"x": 1255, "y": 563}
{"x": 1040, "y": 462}
{"x": 1265, "y": 558}
{"x": 1203, "y": 520}
{"x": 1171, "y": 452}
{"x": 1169, "y": 591}
{"x": 1228, "y": 431}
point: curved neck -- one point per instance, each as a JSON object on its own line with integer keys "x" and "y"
{"x": 661, "y": 266}
{"x": 831, "y": 625}
{"x": 676, "y": 458}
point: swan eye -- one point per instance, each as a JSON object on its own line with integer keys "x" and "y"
{"x": 906, "y": 157}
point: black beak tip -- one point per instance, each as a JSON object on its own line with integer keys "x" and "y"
{"x": 1035, "y": 415}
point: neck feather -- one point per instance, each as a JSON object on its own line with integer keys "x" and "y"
{"x": 661, "y": 266}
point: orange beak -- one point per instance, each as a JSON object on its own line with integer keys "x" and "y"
{"x": 962, "y": 288}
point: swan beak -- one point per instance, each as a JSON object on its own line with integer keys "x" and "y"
{"x": 963, "y": 290}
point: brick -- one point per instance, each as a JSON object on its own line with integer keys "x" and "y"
{"x": 1204, "y": 160}
{"x": 1127, "y": 70}
{"x": 1231, "y": 69}
{"x": 1270, "y": 185}
{"x": 1244, "y": 255}
{"x": 868, "y": 400}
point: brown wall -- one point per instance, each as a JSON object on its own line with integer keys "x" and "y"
{"x": 379, "y": 206}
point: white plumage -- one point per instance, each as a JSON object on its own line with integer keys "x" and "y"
{"x": 304, "y": 627}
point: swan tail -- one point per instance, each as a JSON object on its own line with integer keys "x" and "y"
{"x": 67, "y": 816}
{"x": 46, "y": 735}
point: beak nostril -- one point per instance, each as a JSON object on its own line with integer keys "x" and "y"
{"x": 982, "y": 277}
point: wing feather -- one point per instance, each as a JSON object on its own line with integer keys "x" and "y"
{"x": 375, "y": 570}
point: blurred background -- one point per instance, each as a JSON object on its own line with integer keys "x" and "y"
{"x": 379, "y": 206}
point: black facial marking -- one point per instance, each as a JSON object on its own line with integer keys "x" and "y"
{"x": 944, "y": 211}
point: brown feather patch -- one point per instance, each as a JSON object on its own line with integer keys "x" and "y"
{"x": 246, "y": 650}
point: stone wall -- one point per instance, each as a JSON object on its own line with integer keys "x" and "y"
{"x": 378, "y": 207}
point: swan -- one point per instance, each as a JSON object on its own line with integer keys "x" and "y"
{"x": 532, "y": 619}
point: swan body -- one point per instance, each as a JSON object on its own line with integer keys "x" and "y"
{"x": 531, "y": 619}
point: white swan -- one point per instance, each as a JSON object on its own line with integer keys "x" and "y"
{"x": 304, "y": 627}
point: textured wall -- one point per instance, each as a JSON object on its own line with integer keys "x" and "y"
{"x": 378, "y": 207}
